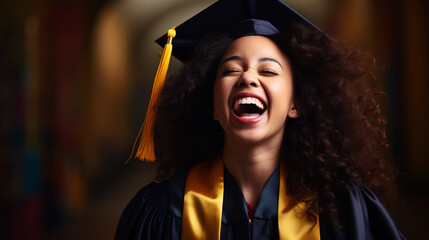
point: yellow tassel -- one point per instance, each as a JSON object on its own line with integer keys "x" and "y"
{"x": 145, "y": 149}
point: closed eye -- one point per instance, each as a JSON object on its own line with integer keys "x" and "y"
{"x": 230, "y": 71}
{"x": 268, "y": 72}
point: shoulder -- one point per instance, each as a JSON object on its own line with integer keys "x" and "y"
{"x": 148, "y": 204}
{"x": 154, "y": 210}
{"x": 363, "y": 216}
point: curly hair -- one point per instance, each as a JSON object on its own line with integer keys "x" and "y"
{"x": 339, "y": 135}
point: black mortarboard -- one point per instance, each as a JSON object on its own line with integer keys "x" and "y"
{"x": 238, "y": 18}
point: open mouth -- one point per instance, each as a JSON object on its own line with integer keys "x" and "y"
{"x": 248, "y": 107}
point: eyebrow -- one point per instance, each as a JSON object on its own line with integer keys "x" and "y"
{"x": 270, "y": 60}
{"x": 238, "y": 58}
{"x": 232, "y": 58}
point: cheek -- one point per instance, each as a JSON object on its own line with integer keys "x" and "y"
{"x": 281, "y": 94}
{"x": 284, "y": 85}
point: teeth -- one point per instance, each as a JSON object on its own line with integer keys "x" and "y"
{"x": 249, "y": 100}
{"x": 251, "y": 116}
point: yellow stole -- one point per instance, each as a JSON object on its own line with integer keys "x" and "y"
{"x": 203, "y": 200}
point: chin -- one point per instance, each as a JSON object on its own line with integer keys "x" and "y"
{"x": 249, "y": 137}
{"x": 256, "y": 137}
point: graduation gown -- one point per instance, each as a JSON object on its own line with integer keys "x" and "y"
{"x": 156, "y": 213}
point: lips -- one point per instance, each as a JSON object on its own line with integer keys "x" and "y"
{"x": 248, "y": 107}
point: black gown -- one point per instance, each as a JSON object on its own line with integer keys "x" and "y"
{"x": 156, "y": 213}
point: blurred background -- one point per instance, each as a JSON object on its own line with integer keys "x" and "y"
{"x": 75, "y": 79}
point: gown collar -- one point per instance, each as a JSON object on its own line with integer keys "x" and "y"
{"x": 234, "y": 204}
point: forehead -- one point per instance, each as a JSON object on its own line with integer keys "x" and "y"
{"x": 255, "y": 47}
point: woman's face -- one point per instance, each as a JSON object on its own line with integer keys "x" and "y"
{"x": 253, "y": 91}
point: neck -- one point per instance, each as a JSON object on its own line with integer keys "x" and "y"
{"x": 251, "y": 165}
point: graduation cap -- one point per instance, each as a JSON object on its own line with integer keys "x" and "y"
{"x": 238, "y": 18}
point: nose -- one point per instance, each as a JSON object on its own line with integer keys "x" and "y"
{"x": 249, "y": 78}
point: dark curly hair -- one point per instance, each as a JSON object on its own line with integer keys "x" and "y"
{"x": 339, "y": 135}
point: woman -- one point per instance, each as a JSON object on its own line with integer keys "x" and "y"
{"x": 266, "y": 134}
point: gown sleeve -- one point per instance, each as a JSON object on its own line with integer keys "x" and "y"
{"x": 362, "y": 216}
{"x": 381, "y": 223}
{"x": 146, "y": 216}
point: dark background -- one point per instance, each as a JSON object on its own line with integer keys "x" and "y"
{"x": 75, "y": 78}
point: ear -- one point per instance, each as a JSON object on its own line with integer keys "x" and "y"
{"x": 293, "y": 112}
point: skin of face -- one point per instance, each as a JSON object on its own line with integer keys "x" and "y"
{"x": 253, "y": 66}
